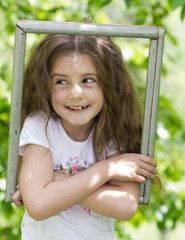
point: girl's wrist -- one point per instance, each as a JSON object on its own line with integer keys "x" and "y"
{"x": 108, "y": 167}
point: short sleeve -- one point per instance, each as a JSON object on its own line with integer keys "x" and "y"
{"x": 111, "y": 150}
{"x": 34, "y": 132}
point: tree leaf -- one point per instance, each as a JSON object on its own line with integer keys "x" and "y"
{"x": 183, "y": 13}
{"x": 177, "y": 3}
{"x": 128, "y": 3}
{"x": 98, "y": 3}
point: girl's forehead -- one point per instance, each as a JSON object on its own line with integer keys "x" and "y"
{"x": 74, "y": 61}
{"x": 74, "y": 58}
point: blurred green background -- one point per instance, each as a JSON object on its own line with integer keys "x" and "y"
{"x": 164, "y": 218}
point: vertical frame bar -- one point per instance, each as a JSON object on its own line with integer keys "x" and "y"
{"x": 15, "y": 114}
{"x": 148, "y": 105}
{"x": 145, "y": 192}
{"x": 156, "y": 91}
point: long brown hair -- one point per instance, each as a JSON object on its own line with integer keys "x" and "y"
{"x": 120, "y": 118}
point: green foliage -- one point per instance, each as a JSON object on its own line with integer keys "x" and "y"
{"x": 98, "y": 3}
{"x": 166, "y": 207}
{"x": 179, "y": 3}
{"x": 128, "y": 3}
{"x": 183, "y": 13}
{"x": 121, "y": 233}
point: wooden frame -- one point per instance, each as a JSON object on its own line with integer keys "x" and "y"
{"x": 156, "y": 37}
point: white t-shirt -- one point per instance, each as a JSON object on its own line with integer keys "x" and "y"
{"x": 77, "y": 222}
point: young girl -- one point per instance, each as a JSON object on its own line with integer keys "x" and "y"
{"x": 80, "y": 111}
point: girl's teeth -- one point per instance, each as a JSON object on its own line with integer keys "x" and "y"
{"x": 77, "y": 108}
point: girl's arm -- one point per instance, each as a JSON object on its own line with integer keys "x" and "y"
{"x": 118, "y": 199}
{"x": 44, "y": 197}
{"x": 115, "y": 201}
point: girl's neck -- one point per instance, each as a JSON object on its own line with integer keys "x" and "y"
{"x": 78, "y": 133}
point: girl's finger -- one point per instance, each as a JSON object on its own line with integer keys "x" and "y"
{"x": 17, "y": 199}
{"x": 148, "y": 167}
{"x": 148, "y": 160}
{"x": 140, "y": 179}
{"x": 148, "y": 174}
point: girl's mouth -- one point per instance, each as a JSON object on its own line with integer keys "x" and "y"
{"x": 77, "y": 108}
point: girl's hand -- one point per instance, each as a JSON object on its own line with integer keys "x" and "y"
{"x": 132, "y": 167}
{"x": 17, "y": 198}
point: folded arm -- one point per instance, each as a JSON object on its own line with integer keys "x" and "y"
{"x": 45, "y": 195}
{"x": 115, "y": 199}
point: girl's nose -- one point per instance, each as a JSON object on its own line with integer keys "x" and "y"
{"x": 76, "y": 91}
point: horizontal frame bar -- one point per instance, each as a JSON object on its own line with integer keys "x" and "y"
{"x": 46, "y": 27}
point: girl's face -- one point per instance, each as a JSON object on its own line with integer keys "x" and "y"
{"x": 76, "y": 95}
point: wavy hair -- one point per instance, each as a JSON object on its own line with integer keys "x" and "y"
{"x": 120, "y": 120}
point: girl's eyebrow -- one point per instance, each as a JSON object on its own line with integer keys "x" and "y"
{"x": 90, "y": 74}
{"x": 65, "y": 75}
{"x": 58, "y": 74}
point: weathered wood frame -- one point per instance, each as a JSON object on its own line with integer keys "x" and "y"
{"x": 156, "y": 36}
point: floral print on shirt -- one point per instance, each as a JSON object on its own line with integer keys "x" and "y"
{"x": 77, "y": 164}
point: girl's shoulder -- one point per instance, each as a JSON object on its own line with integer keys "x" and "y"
{"x": 39, "y": 129}
{"x": 40, "y": 122}
{"x": 40, "y": 118}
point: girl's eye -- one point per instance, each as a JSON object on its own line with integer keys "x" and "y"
{"x": 88, "y": 80}
{"x": 61, "y": 82}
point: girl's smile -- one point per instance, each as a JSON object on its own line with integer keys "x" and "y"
{"x": 76, "y": 95}
{"x": 78, "y": 108}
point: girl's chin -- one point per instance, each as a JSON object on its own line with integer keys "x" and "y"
{"x": 77, "y": 123}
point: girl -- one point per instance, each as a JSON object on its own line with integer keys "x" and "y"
{"x": 79, "y": 110}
